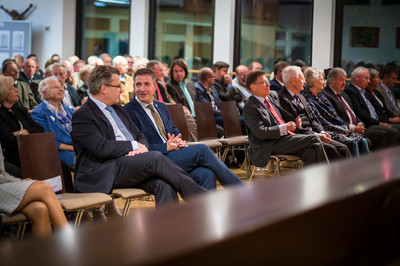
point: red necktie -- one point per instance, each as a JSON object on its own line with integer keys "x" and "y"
{"x": 159, "y": 96}
{"x": 353, "y": 117}
{"x": 277, "y": 117}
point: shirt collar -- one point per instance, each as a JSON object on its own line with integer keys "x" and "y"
{"x": 100, "y": 104}
{"x": 144, "y": 105}
{"x": 261, "y": 99}
{"x": 358, "y": 88}
{"x": 384, "y": 86}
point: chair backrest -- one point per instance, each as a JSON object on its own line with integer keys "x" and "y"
{"x": 39, "y": 158}
{"x": 230, "y": 117}
{"x": 178, "y": 117}
{"x": 205, "y": 120}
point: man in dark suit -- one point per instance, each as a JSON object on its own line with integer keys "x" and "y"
{"x": 112, "y": 153}
{"x": 362, "y": 106}
{"x": 71, "y": 98}
{"x": 276, "y": 82}
{"x": 28, "y": 72}
{"x": 378, "y": 135}
{"x": 25, "y": 95}
{"x": 295, "y": 105}
{"x": 268, "y": 133}
{"x": 152, "y": 118}
{"x": 389, "y": 78}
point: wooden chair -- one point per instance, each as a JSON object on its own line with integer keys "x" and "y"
{"x": 39, "y": 160}
{"x": 19, "y": 219}
{"x": 178, "y": 117}
{"x": 234, "y": 139}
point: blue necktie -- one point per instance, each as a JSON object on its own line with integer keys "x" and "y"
{"x": 120, "y": 124}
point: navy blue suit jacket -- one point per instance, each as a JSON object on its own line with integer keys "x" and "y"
{"x": 275, "y": 85}
{"x": 144, "y": 123}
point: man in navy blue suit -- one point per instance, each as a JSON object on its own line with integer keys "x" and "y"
{"x": 152, "y": 118}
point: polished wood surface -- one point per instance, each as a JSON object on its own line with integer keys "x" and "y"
{"x": 230, "y": 116}
{"x": 321, "y": 215}
{"x": 178, "y": 117}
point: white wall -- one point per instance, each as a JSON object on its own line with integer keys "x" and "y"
{"x": 53, "y": 26}
{"x": 139, "y": 27}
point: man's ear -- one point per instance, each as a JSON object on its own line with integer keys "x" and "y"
{"x": 103, "y": 89}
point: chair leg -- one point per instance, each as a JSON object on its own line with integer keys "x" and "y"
{"x": 126, "y": 207}
{"x": 225, "y": 154}
{"x": 19, "y": 230}
{"x": 23, "y": 230}
{"x": 78, "y": 218}
{"x": 252, "y": 172}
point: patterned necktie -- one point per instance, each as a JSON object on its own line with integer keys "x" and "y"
{"x": 298, "y": 102}
{"x": 353, "y": 117}
{"x": 121, "y": 126}
{"x": 277, "y": 117}
{"x": 158, "y": 121}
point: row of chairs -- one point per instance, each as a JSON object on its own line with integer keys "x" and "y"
{"x": 234, "y": 140}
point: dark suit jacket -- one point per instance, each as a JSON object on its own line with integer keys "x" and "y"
{"x": 23, "y": 77}
{"x": 203, "y": 96}
{"x": 291, "y": 111}
{"x": 360, "y": 107}
{"x": 96, "y": 148}
{"x": 263, "y": 130}
{"x": 337, "y": 104}
{"x": 76, "y": 99}
{"x": 143, "y": 122}
{"x": 275, "y": 85}
{"x": 226, "y": 92}
{"x": 25, "y": 95}
{"x": 382, "y": 111}
{"x": 177, "y": 94}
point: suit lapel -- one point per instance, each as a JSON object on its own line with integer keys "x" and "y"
{"x": 143, "y": 113}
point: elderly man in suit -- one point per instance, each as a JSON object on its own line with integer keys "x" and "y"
{"x": 389, "y": 78}
{"x": 295, "y": 105}
{"x": 362, "y": 107}
{"x": 111, "y": 152}
{"x": 379, "y": 136}
{"x": 153, "y": 119}
{"x": 268, "y": 133}
{"x": 25, "y": 95}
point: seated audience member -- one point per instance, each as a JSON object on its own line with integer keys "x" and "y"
{"x": 94, "y": 61}
{"x": 130, "y": 61}
{"x": 223, "y": 84}
{"x": 206, "y": 93}
{"x": 84, "y": 73}
{"x": 389, "y": 78}
{"x": 27, "y": 73}
{"x": 105, "y": 136}
{"x": 162, "y": 95}
{"x": 377, "y": 100}
{"x": 25, "y": 95}
{"x": 120, "y": 63}
{"x": 255, "y": 66}
{"x": 14, "y": 120}
{"x": 78, "y": 64}
{"x": 239, "y": 82}
{"x": 55, "y": 117}
{"x": 322, "y": 108}
{"x": 277, "y": 82}
{"x": 71, "y": 98}
{"x": 380, "y": 136}
{"x": 38, "y": 72}
{"x": 362, "y": 106}
{"x": 35, "y": 199}
{"x": 152, "y": 118}
{"x": 165, "y": 76}
{"x": 107, "y": 59}
{"x": 69, "y": 74}
{"x": 139, "y": 62}
{"x": 294, "y": 105}
{"x": 268, "y": 133}
{"x": 55, "y": 58}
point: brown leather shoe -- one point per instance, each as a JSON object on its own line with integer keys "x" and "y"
{"x": 112, "y": 211}
{"x": 98, "y": 215}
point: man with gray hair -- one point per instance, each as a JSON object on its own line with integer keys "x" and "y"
{"x": 295, "y": 106}
{"x": 71, "y": 99}
{"x": 239, "y": 83}
{"x": 120, "y": 63}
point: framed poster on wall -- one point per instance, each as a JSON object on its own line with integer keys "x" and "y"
{"x": 15, "y": 38}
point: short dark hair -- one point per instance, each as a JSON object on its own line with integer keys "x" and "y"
{"x": 388, "y": 71}
{"x": 253, "y": 76}
{"x": 151, "y": 64}
{"x": 143, "y": 72}
{"x": 180, "y": 62}
{"x": 280, "y": 66}
{"x": 219, "y": 65}
{"x": 204, "y": 73}
{"x": 31, "y": 55}
{"x": 100, "y": 75}
{"x": 6, "y": 63}
{"x": 334, "y": 73}
{"x": 79, "y": 61}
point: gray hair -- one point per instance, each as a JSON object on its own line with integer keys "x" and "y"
{"x": 290, "y": 72}
{"x": 84, "y": 70}
{"x": 359, "y": 71}
{"x": 5, "y": 82}
{"x": 373, "y": 73}
{"x": 335, "y": 72}
{"x": 44, "y": 86}
{"x": 118, "y": 60}
{"x": 58, "y": 65}
{"x": 311, "y": 74}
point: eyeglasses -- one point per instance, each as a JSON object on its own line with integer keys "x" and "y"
{"x": 264, "y": 82}
{"x": 114, "y": 86}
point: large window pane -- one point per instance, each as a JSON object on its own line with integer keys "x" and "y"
{"x": 183, "y": 29}
{"x": 105, "y": 27}
{"x": 272, "y": 29}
